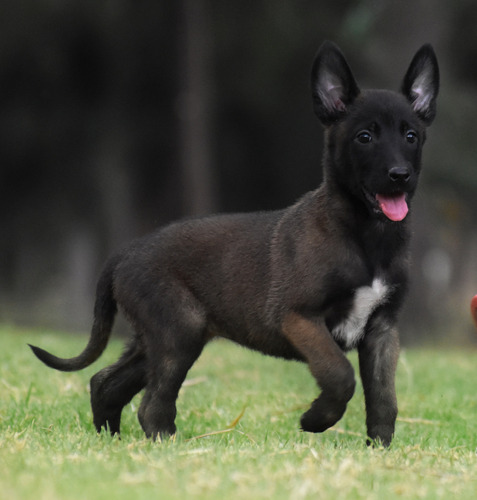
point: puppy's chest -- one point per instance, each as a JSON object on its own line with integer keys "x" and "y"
{"x": 350, "y": 329}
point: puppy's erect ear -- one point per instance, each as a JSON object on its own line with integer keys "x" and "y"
{"x": 421, "y": 83}
{"x": 333, "y": 85}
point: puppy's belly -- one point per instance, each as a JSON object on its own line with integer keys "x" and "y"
{"x": 366, "y": 299}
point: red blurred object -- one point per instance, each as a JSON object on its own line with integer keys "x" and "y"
{"x": 473, "y": 309}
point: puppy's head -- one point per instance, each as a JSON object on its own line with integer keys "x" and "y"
{"x": 374, "y": 138}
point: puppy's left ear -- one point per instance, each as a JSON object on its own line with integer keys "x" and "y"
{"x": 421, "y": 83}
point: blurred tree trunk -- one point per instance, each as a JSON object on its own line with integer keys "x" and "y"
{"x": 195, "y": 113}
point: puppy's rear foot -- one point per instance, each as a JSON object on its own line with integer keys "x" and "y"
{"x": 159, "y": 435}
{"x": 157, "y": 420}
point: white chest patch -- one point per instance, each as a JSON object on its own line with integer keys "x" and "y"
{"x": 366, "y": 300}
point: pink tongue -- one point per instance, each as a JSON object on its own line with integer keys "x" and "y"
{"x": 394, "y": 207}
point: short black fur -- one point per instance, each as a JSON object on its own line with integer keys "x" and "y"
{"x": 309, "y": 282}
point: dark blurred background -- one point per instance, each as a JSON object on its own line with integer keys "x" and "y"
{"x": 118, "y": 116}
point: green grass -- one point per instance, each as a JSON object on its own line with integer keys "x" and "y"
{"x": 49, "y": 449}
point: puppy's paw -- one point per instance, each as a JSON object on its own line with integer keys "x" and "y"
{"x": 321, "y": 416}
{"x": 380, "y": 435}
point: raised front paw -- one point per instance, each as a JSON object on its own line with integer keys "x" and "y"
{"x": 323, "y": 414}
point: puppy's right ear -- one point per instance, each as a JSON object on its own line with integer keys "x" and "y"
{"x": 333, "y": 85}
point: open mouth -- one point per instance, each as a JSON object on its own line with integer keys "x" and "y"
{"x": 394, "y": 206}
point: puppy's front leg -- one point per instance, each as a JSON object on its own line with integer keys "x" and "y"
{"x": 378, "y": 355}
{"x": 332, "y": 371}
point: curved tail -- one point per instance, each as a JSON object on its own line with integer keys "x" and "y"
{"x": 105, "y": 309}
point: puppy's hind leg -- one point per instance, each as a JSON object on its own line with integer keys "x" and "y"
{"x": 174, "y": 339}
{"x": 167, "y": 370}
{"x": 113, "y": 387}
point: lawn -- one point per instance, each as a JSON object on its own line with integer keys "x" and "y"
{"x": 238, "y": 432}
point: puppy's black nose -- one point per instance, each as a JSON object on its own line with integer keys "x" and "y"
{"x": 399, "y": 174}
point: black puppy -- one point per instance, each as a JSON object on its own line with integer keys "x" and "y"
{"x": 308, "y": 283}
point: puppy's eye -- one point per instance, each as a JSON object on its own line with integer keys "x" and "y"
{"x": 411, "y": 136}
{"x": 364, "y": 137}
